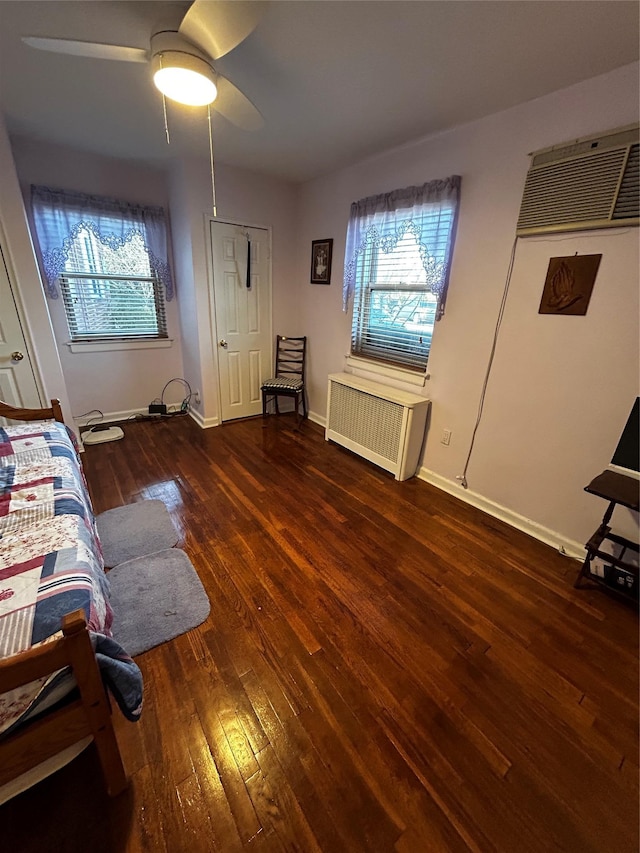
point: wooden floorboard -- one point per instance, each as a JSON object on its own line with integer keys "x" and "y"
{"x": 384, "y": 668}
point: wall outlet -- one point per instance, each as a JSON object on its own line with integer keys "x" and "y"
{"x": 196, "y": 396}
{"x": 446, "y": 437}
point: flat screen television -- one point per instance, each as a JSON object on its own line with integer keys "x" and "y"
{"x": 626, "y": 458}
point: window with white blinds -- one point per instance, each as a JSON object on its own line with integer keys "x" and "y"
{"x": 111, "y": 293}
{"x": 103, "y": 307}
{"x": 397, "y": 285}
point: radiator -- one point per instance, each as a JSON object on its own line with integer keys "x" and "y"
{"x": 381, "y": 424}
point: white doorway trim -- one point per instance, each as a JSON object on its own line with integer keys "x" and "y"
{"x": 25, "y": 332}
{"x": 239, "y": 223}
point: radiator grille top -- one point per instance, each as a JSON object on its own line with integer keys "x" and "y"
{"x": 367, "y": 420}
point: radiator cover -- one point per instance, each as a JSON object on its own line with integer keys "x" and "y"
{"x": 381, "y": 424}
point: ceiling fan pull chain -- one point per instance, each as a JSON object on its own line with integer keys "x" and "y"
{"x": 166, "y": 123}
{"x": 213, "y": 178}
{"x": 164, "y": 110}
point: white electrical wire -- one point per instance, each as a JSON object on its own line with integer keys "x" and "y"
{"x": 463, "y": 477}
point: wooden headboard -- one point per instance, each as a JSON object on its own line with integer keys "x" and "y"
{"x": 15, "y": 414}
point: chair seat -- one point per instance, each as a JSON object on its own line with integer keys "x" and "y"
{"x": 284, "y": 383}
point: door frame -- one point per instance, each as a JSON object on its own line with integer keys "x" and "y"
{"x": 210, "y": 221}
{"x": 7, "y": 262}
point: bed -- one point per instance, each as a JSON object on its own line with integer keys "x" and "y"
{"x": 57, "y": 656}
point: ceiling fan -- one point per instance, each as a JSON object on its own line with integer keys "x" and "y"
{"x": 181, "y": 59}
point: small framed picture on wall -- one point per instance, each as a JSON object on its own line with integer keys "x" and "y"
{"x": 568, "y": 285}
{"x": 321, "y": 261}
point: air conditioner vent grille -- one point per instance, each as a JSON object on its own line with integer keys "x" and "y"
{"x": 366, "y": 420}
{"x": 572, "y": 191}
{"x": 628, "y": 201}
{"x": 585, "y": 184}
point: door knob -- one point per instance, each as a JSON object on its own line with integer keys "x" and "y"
{"x": 223, "y": 343}
{"x": 17, "y": 356}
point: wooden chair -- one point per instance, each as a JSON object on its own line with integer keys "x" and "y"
{"x": 288, "y": 380}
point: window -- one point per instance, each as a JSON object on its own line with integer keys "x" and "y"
{"x": 397, "y": 267}
{"x": 111, "y": 294}
{"x": 108, "y": 259}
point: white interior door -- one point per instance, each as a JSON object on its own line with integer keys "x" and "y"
{"x": 17, "y": 382}
{"x": 242, "y": 316}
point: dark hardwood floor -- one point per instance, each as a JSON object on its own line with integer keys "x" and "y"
{"x": 384, "y": 668}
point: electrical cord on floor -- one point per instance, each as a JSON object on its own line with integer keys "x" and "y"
{"x": 185, "y": 403}
{"x": 184, "y": 406}
{"x": 159, "y": 402}
{"x": 463, "y": 477}
{"x": 90, "y": 412}
{"x": 159, "y": 417}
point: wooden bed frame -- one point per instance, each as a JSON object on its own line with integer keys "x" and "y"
{"x": 89, "y": 715}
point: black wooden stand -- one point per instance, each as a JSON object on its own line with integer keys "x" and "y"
{"x": 617, "y": 489}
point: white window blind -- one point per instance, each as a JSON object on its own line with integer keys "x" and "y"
{"x": 109, "y": 307}
{"x": 111, "y": 293}
{"x": 398, "y": 279}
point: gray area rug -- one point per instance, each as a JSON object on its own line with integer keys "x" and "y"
{"x": 155, "y": 599}
{"x": 135, "y": 530}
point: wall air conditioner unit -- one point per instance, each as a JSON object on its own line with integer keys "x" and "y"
{"x": 586, "y": 184}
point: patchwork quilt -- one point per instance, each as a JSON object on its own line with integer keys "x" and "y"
{"x": 51, "y": 563}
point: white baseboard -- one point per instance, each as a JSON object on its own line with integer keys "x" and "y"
{"x": 203, "y": 423}
{"x": 561, "y": 543}
{"x": 115, "y": 417}
{"x": 317, "y": 419}
{"x": 110, "y": 417}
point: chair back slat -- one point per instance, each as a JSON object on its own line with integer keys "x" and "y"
{"x": 288, "y": 379}
{"x": 290, "y": 356}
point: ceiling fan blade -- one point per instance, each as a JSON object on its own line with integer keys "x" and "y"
{"x": 217, "y": 26}
{"x": 235, "y": 106}
{"x": 89, "y": 49}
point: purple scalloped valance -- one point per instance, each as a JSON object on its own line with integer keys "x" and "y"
{"x": 428, "y": 211}
{"x": 59, "y": 215}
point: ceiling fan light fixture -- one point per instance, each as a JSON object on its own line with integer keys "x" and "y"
{"x": 184, "y": 78}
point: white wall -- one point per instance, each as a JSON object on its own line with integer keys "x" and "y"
{"x": 121, "y": 381}
{"x": 38, "y": 331}
{"x": 561, "y": 387}
{"x": 117, "y": 382}
{"x": 244, "y": 197}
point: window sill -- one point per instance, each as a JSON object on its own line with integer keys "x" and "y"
{"x": 110, "y": 346}
{"x": 410, "y": 377}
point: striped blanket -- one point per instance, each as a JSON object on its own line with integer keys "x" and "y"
{"x": 51, "y": 563}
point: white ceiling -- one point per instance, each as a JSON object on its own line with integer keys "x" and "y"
{"x": 335, "y": 81}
